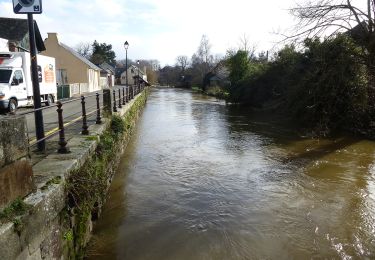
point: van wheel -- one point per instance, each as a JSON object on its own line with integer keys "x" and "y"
{"x": 49, "y": 100}
{"x": 12, "y": 107}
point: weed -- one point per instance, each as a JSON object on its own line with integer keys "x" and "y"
{"x": 16, "y": 208}
{"x": 68, "y": 236}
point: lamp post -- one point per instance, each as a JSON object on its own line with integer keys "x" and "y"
{"x": 126, "y": 46}
{"x": 139, "y": 80}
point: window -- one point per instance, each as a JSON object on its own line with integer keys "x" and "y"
{"x": 40, "y": 75}
{"x": 61, "y": 77}
{"x": 18, "y": 76}
{"x": 5, "y": 76}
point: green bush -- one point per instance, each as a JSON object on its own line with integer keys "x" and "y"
{"x": 117, "y": 124}
{"x": 323, "y": 87}
{"x": 331, "y": 95}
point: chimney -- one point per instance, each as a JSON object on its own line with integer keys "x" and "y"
{"x": 12, "y": 46}
{"x": 53, "y": 37}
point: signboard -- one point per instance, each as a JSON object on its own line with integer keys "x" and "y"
{"x": 27, "y": 6}
{"x": 49, "y": 74}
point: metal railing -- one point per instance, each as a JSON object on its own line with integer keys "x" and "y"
{"x": 120, "y": 96}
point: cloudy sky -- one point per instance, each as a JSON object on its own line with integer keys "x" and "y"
{"x": 163, "y": 29}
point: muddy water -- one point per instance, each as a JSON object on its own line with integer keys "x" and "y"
{"x": 201, "y": 180}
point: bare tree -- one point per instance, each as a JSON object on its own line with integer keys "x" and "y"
{"x": 329, "y": 17}
{"x": 84, "y": 49}
{"x": 182, "y": 62}
{"x": 244, "y": 43}
{"x": 319, "y": 18}
{"x": 204, "y": 50}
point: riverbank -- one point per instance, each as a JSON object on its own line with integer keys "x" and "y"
{"x": 56, "y": 220}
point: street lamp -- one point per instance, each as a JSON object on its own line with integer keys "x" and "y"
{"x": 126, "y": 46}
{"x": 139, "y": 80}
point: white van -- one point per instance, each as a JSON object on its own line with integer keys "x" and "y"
{"x": 16, "y": 88}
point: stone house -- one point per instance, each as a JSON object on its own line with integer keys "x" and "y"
{"x": 133, "y": 72}
{"x": 72, "y": 68}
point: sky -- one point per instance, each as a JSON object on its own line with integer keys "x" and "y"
{"x": 163, "y": 29}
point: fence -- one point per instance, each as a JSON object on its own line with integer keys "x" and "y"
{"x": 67, "y": 91}
{"x": 118, "y": 97}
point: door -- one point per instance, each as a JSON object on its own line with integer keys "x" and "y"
{"x": 18, "y": 87}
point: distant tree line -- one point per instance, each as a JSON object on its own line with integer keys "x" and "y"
{"x": 190, "y": 72}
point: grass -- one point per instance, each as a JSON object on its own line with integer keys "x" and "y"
{"x": 12, "y": 213}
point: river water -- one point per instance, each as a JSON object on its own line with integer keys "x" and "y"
{"x": 201, "y": 180}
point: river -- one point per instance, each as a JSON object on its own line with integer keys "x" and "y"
{"x": 202, "y": 180}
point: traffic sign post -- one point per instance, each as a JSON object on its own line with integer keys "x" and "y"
{"x": 27, "y": 6}
{"x": 31, "y": 7}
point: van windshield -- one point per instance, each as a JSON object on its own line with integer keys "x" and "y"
{"x": 5, "y": 75}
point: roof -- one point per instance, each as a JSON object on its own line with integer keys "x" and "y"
{"x": 14, "y": 29}
{"x": 106, "y": 66}
{"x": 135, "y": 69}
{"x": 221, "y": 71}
{"x": 215, "y": 78}
{"x": 77, "y": 55}
{"x": 119, "y": 71}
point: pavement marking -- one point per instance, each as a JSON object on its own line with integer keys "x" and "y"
{"x": 55, "y": 130}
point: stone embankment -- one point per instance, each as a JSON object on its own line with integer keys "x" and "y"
{"x": 55, "y": 220}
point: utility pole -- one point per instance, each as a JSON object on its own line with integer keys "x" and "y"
{"x": 39, "y": 124}
{"x": 126, "y": 45}
{"x": 31, "y": 7}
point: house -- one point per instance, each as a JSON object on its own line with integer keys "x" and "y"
{"x": 72, "y": 68}
{"x": 14, "y": 35}
{"x": 107, "y": 75}
{"x": 133, "y": 72}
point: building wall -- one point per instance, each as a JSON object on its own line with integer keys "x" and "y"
{"x": 130, "y": 76}
{"x": 76, "y": 70}
{"x": 132, "y": 72}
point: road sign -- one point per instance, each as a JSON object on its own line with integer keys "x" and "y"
{"x": 27, "y": 6}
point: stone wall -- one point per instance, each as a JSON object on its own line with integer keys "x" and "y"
{"x": 16, "y": 177}
{"x": 55, "y": 226}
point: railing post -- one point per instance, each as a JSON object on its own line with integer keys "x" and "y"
{"x": 119, "y": 98}
{"x": 62, "y": 142}
{"x": 98, "y": 118}
{"x": 107, "y": 103}
{"x": 114, "y": 101}
{"x": 123, "y": 96}
{"x": 85, "y": 130}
